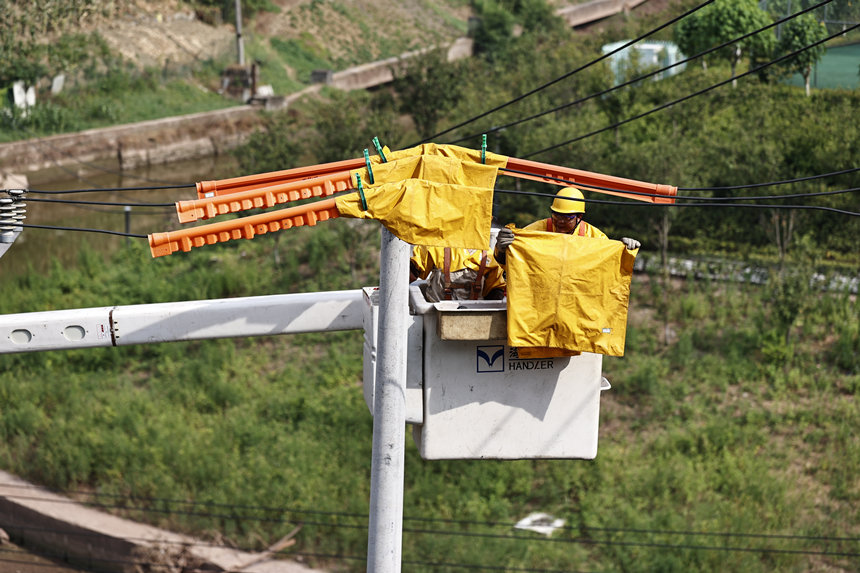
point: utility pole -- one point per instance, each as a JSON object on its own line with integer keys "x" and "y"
{"x": 127, "y": 224}
{"x": 239, "y": 45}
{"x": 385, "y": 528}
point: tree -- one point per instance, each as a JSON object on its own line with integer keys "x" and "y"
{"x": 427, "y": 86}
{"x": 721, "y": 22}
{"x": 494, "y": 30}
{"x": 277, "y": 146}
{"x": 691, "y": 37}
{"x": 797, "y": 34}
{"x": 346, "y": 124}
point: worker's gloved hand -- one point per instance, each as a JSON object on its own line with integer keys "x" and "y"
{"x": 503, "y": 241}
{"x": 630, "y": 243}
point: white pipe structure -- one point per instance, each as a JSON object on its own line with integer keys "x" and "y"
{"x": 175, "y": 321}
{"x": 388, "y": 458}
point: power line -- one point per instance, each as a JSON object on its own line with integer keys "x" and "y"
{"x": 105, "y": 189}
{"x": 698, "y": 93}
{"x": 105, "y": 231}
{"x": 560, "y": 180}
{"x": 797, "y": 180}
{"x": 590, "y": 541}
{"x": 718, "y": 204}
{"x": 364, "y": 516}
{"x": 568, "y": 74}
{"x": 642, "y": 77}
{"x": 588, "y": 186}
{"x": 476, "y": 567}
{"x": 74, "y": 202}
{"x": 520, "y": 538}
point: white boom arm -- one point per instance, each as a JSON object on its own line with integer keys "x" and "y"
{"x": 174, "y": 321}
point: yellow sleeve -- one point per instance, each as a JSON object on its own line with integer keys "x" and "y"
{"x": 594, "y": 232}
{"x": 494, "y": 275}
{"x": 420, "y": 261}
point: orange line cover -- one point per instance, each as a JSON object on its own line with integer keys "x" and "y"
{"x": 161, "y": 244}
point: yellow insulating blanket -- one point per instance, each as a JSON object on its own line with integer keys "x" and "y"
{"x": 428, "y": 200}
{"x": 568, "y": 292}
{"x": 441, "y": 150}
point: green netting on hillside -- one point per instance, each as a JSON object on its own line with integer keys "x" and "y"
{"x": 837, "y": 69}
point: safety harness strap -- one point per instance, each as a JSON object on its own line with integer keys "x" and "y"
{"x": 475, "y": 287}
{"x": 478, "y": 285}
{"x": 447, "y": 287}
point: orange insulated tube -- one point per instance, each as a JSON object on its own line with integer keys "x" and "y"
{"x": 263, "y": 197}
{"x": 549, "y": 173}
{"x": 161, "y": 244}
{"x": 249, "y": 182}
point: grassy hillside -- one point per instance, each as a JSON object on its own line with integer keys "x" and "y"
{"x": 148, "y": 59}
{"x": 721, "y": 447}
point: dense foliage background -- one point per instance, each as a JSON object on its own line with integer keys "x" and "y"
{"x": 728, "y": 440}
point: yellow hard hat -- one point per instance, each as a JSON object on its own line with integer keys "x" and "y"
{"x": 567, "y": 206}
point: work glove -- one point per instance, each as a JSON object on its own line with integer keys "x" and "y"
{"x": 630, "y": 243}
{"x": 503, "y": 241}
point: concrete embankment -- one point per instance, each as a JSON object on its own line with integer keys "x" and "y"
{"x": 135, "y": 145}
{"x": 97, "y": 541}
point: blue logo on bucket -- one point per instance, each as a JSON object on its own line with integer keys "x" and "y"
{"x": 491, "y": 358}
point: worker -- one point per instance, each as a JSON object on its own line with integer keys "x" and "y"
{"x": 457, "y": 274}
{"x": 566, "y": 216}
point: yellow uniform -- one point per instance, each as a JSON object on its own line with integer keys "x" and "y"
{"x": 568, "y": 292}
{"x": 582, "y": 230}
{"x": 462, "y": 278}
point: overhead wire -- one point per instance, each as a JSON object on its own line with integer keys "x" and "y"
{"x": 191, "y": 185}
{"x": 568, "y": 74}
{"x": 639, "y": 78}
{"x": 589, "y": 186}
{"x": 476, "y": 567}
{"x": 783, "y": 182}
{"x": 365, "y": 516}
{"x": 106, "y": 189}
{"x": 690, "y": 96}
{"x": 80, "y": 229}
{"x": 731, "y": 202}
{"x": 717, "y": 204}
{"x": 581, "y": 540}
{"x": 112, "y": 203}
{"x": 286, "y": 552}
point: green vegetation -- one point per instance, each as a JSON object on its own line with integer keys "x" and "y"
{"x": 302, "y": 57}
{"x": 714, "y": 425}
{"x": 728, "y": 441}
